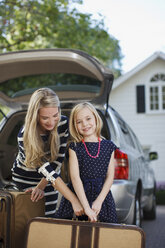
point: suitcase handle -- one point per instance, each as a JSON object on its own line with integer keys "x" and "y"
{"x": 2, "y": 204}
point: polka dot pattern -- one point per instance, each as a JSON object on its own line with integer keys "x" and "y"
{"x": 92, "y": 172}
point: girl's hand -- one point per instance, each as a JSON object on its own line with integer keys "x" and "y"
{"x": 91, "y": 215}
{"x": 36, "y": 194}
{"x": 77, "y": 208}
{"x": 96, "y": 206}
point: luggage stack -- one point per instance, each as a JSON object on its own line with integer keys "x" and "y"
{"x": 22, "y": 225}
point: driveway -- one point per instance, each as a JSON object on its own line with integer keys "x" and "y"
{"x": 155, "y": 230}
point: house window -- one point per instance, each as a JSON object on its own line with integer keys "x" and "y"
{"x": 154, "y": 98}
{"x": 156, "y": 91}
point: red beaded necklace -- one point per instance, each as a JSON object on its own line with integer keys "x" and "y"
{"x": 88, "y": 151}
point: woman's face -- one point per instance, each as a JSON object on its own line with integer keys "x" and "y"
{"x": 48, "y": 118}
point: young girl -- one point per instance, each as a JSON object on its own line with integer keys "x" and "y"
{"x": 91, "y": 161}
{"x": 41, "y": 150}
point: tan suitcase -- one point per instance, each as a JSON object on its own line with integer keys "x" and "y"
{"x": 57, "y": 233}
{"x": 16, "y": 209}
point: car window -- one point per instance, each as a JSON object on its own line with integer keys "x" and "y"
{"x": 3, "y": 111}
{"x": 23, "y": 85}
{"x": 136, "y": 142}
{"x": 110, "y": 127}
{"x": 125, "y": 131}
{"x": 112, "y": 130}
{"x": 12, "y": 139}
{"x": 105, "y": 130}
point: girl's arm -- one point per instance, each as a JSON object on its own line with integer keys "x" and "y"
{"x": 97, "y": 204}
{"x": 69, "y": 195}
{"x": 38, "y": 192}
{"x": 78, "y": 186}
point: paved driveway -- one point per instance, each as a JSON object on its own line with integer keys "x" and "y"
{"x": 155, "y": 230}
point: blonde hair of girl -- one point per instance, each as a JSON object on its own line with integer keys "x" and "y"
{"x": 76, "y": 136}
{"x": 34, "y": 147}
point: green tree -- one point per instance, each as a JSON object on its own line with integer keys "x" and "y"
{"x": 36, "y": 24}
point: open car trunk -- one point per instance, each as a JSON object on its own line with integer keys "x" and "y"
{"x": 73, "y": 74}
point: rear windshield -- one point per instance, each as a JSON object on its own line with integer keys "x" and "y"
{"x": 58, "y": 82}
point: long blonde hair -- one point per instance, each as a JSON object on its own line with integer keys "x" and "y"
{"x": 34, "y": 146}
{"x": 75, "y": 135}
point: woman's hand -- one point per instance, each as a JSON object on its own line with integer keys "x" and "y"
{"x": 36, "y": 193}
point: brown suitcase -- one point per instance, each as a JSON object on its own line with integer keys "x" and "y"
{"x": 16, "y": 209}
{"x": 57, "y": 233}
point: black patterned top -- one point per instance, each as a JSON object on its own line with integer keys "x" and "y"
{"x": 49, "y": 170}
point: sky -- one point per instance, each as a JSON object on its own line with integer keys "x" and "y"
{"x": 138, "y": 25}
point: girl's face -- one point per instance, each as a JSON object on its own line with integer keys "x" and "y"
{"x": 86, "y": 123}
{"x": 48, "y": 118}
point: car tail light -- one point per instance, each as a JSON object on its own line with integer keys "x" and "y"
{"x": 121, "y": 165}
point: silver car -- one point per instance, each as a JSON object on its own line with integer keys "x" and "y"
{"x": 75, "y": 76}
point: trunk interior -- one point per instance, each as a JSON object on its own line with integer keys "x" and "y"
{"x": 8, "y": 145}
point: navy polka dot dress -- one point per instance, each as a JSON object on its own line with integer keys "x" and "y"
{"x": 93, "y": 173}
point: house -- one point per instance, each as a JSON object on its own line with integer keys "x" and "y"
{"x": 139, "y": 96}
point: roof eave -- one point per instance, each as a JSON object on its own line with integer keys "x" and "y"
{"x": 129, "y": 74}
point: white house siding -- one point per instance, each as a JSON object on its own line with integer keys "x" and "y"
{"x": 149, "y": 128}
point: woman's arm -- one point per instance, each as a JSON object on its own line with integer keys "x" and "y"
{"x": 51, "y": 171}
{"x": 78, "y": 186}
{"x": 38, "y": 192}
{"x": 97, "y": 204}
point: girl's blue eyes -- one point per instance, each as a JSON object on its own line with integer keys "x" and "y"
{"x": 88, "y": 119}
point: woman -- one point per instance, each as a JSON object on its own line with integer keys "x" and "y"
{"x": 41, "y": 151}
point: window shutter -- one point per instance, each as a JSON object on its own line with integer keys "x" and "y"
{"x": 140, "y": 98}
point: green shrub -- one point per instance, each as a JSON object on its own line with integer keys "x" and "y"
{"x": 160, "y": 197}
{"x": 4, "y": 110}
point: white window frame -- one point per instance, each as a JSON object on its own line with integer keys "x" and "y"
{"x": 159, "y": 82}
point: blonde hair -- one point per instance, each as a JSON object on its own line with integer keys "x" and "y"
{"x": 76, "y": 136}
{"x": 35, "y": 155}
